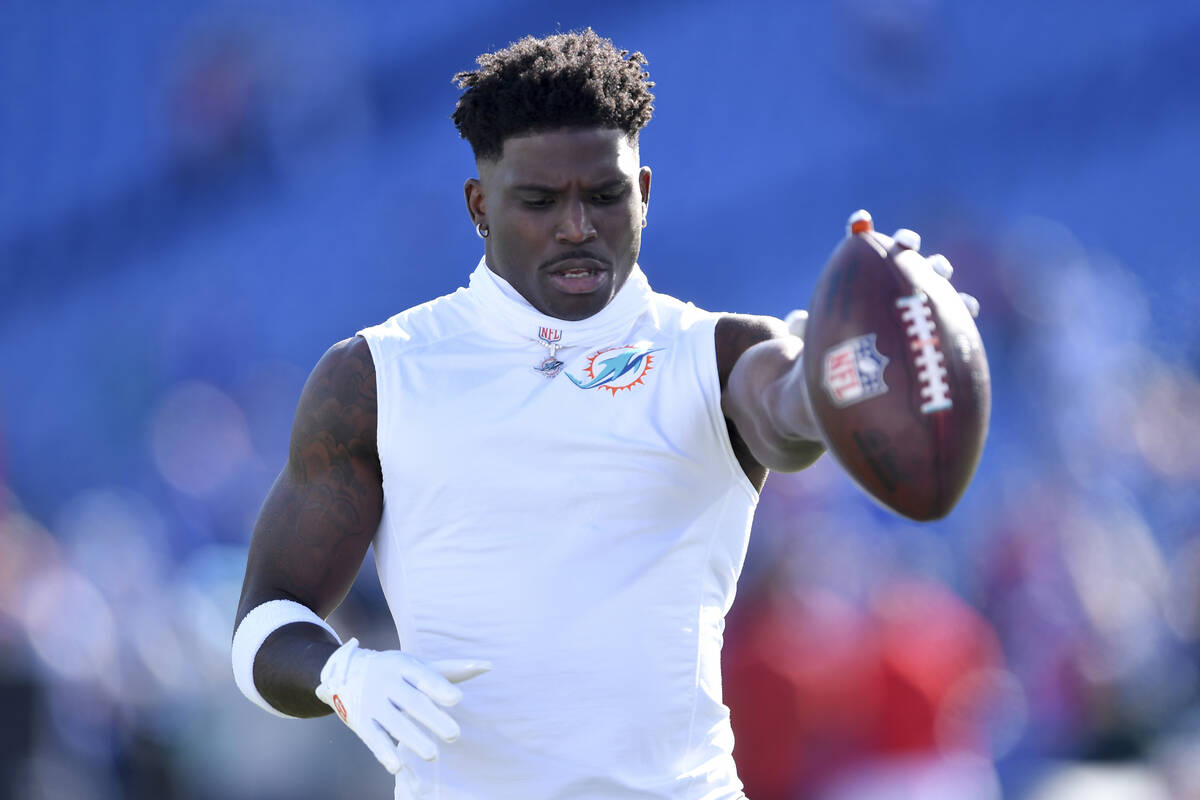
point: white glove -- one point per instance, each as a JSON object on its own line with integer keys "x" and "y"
{"x": 797, "y": 321}
{"x": 379, "y": 694}
{"x": 911, "y": 240}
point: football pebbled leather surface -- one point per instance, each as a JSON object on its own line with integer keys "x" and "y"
{"x": 897, "y": 375}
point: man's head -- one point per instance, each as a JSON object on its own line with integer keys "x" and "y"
{"x": 561, "y": 192}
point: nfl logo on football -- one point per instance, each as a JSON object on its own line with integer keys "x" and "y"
{"x": 853, "y": 370}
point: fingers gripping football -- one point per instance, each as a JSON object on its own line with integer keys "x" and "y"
{"x": 941, "y": 265}
{"x": 905, "y": 239}
{"x": 391, "y": 699}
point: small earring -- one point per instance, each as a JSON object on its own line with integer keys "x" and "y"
{"x": 482, "y": 232}
{"x": 643, "y": 222}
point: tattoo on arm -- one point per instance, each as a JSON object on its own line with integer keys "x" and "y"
{"x": 735, "y": 334}
{"x": 317, "y": 522}
{"x": 334, "y": 465}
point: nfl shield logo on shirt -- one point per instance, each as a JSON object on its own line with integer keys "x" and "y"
{"x": 854, "y": 371}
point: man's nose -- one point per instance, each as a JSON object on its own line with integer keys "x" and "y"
{"x": 576, "y": 226}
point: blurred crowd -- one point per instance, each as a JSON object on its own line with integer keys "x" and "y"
{"x": 161, "y": 302}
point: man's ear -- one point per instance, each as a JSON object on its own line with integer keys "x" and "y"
{"x": 476, "y": 204}
{"x": 644, "y": 188}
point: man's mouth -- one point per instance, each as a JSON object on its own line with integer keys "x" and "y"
{"x": 579, "y": 276}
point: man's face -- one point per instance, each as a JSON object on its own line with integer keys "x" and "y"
{"x": 564, "y": 214}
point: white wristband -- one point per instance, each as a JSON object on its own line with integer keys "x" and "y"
{"x": 261, "y": 622}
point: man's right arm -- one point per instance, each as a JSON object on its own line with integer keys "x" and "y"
{"x": 316, "y": 524}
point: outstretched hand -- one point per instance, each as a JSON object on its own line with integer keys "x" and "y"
{"x": 905, "y": 239}
{"x": 381, "y": 695}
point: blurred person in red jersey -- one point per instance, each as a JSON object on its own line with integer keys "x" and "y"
{"x": 825, "y": 693}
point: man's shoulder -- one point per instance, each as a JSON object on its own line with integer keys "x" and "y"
{"x": 344, "y": 378}
{"x": 431, "y": 320}
{"x": 752, "y": 328}
{"x": 681, "y": 313}
{"x": 766, "y": 327}
{"x": 732, "y": 334}
{"x": 737, "y": 333}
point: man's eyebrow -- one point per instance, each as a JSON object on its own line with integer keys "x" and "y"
{"x": 607, "y": 183}
{"x": 612, "y": 183}
{"x": 535, "y": 187}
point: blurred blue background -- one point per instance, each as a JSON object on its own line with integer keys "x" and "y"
{"x": 196, "y": 199}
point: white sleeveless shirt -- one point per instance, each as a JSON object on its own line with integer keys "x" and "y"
{"x": 583, "y": 532}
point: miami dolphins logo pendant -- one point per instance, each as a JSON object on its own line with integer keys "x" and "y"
{"x": 550, "y": 338}
{"x": 549, "y": 367}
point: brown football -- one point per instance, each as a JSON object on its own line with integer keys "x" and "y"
{"x": 897, "y": 375}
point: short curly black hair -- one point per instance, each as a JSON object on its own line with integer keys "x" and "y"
{"x": 566, "y": 80}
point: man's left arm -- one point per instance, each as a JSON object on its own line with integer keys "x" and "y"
{"x": 763, "y": 392}
{"x": 764, "y": 396}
